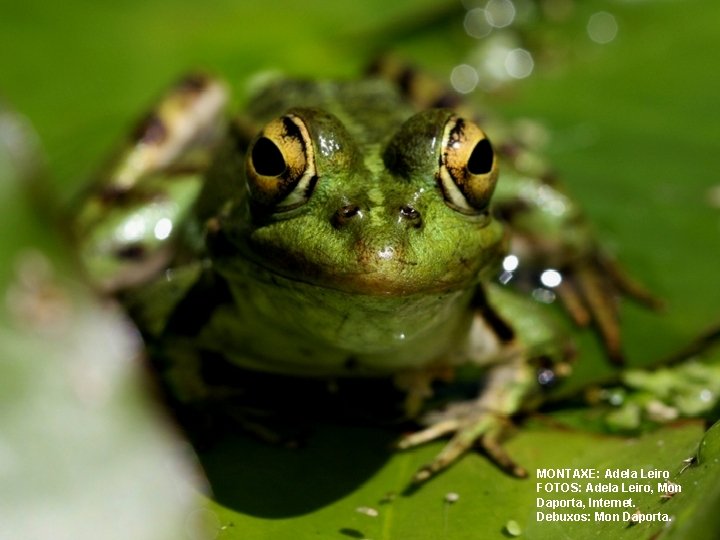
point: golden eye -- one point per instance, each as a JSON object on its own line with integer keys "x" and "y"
{"x": 280, "y": 165}
{"x": 468, "y": 167}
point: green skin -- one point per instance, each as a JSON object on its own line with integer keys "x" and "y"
{"x": 381, "y": 293}
{"x": 378, "y": 289}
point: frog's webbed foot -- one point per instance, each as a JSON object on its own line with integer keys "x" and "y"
{"x": 472, "y": 428}
{"x": 480, "y": 423}
{"x": 589, "y": 290}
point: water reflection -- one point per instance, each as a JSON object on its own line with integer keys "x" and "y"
{"x": 476, "y": 24}
{"x": 464, "y": 78}
{"x": 508, "y": 47}
{"x": 500, "y": 13}
{"x": 551, "y": 278}
{"x": 133, "y": 230}
{"x": 519, "y": 63}
{"x": 602, "y": 27}
{"x": 545, "y": 296}
{"x": 510, "y": 263}
{"x": 713, "y": 196}
{"x": 526, "y": 276}
{"x": 163, "y": 228}
{"x": 546, "y": 377}
{"x": 500, "y": 56}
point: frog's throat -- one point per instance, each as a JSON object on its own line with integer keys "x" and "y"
{"x": 389, "y": 280}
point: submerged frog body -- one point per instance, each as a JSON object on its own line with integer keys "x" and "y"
{"x": 335, "y": 230}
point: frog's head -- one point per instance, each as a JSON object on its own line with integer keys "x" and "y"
{"x": 392, "y": 213}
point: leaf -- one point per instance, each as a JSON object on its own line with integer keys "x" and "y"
{"x": 82, "y": 455}
{"x": 346, "y": 483}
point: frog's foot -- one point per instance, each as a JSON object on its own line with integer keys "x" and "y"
{"x": 150, "y": 186}
{"x": 589, "y": 291}
{"x": 472, "y": 428}
{"x": 479, "y": 423}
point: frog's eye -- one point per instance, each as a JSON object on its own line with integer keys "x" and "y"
{"x": 280, "y": 165}
{"x": 468, "y": 167}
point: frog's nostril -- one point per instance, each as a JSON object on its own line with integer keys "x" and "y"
{"x": 346, "y": 214}
{"x": 410, "y": 216}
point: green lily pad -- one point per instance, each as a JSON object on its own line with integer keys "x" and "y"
{"x": 345, "y": 483}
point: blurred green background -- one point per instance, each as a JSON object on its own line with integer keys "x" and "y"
{"x": 634, "y": 127}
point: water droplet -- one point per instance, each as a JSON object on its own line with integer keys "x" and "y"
{"x": 386, "y": 253}
{"x": 543, "y": 295}
{"x": 602, "y": 27}
{"x": 713, "y": 196}
{"x": 500, "y": 13}
{"x": 513, "y": 528}
{"x": 367, "y": 511}
{"x": 510, "y": 263}
{"x": 545, "y": 377}
{"x": 163, "y": 228}
{"x": 452, "y": 497}
{"x": 519, "y": 63}
{"x": 133, "y": 229}
{"x": 505, "y": 277}
{"x": 476, "y": 24}
{"x": 551, "y": 278}
{"x": 464, "y": 78}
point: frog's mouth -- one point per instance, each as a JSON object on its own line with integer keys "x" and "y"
{"x": 378, "y": 255}
{"x": 384, "y": 270}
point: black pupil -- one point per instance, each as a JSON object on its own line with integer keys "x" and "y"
{"x": 267, "y": 158}
{"x": 481, "y": 159}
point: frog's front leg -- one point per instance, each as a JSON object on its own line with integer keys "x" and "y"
{"x": 510, "y": 384}
{"x": 480, "y": 422}
{"x": 554, "y": 247}
{"x": 130, "y": 221}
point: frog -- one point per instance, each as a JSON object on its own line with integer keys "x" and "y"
{"x": 348, "y": 229}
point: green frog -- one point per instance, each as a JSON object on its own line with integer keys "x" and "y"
{"x": 349, "y": 229}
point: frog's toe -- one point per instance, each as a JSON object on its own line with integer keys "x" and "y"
{"x": 602, "y": 305}
{"x": 491, "y": 444}
{"x": 472, "y": 429}
{"x": 629, "y": 286}
{"x": 590, "y": 296}
{"x": 428, "y": 434}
